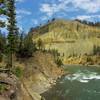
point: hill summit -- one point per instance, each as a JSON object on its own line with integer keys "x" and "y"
{"x": 62, "y": 30}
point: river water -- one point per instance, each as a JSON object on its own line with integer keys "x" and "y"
{"x": 83, "y": 83}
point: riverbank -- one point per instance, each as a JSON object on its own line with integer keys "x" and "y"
{"x": 82, "y": 83}
{"x": 40, "y": 73}
{"x": 83, "y": 60}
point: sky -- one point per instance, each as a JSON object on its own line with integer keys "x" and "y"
{"x": 31, "y": 13}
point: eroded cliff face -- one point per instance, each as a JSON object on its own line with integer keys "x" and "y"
{"x": 40, "y": 73}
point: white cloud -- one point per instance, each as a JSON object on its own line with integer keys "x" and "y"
{"x": 51, "y": 9}
{"x": 89, "y": 6}
{"x": 46, "y": 8}
{"x": 23, "y": 12}
{"x": 88, "y": 17}
{"x": 54, "y": 8}
{"x": 20, "y": 0}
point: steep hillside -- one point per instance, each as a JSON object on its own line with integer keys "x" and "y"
{"x": 40, "y": 72}
{"x": 63, "y": 30}
{"x": 68, "y": 37}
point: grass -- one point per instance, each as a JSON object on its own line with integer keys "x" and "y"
{"x": 2, "y": 87}
{"x": 18, "y": 72}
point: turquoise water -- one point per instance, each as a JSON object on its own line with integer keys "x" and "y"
{"x": 83, "y": 83}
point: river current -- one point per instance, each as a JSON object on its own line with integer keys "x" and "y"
{"x": 83, "y": 83}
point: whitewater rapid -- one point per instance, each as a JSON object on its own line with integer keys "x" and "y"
{"x": 83, "y": 77}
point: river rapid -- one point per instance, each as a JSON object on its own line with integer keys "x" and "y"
{"x": 83, "y": 83}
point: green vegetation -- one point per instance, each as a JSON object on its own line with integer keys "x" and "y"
{"x": 2, "y": 45}
{"x": 96, "y": 50}
{"x": 26, "y": 46}
{"x": 2, "y": 87}
{"x": 2, "y": 11}
{"x": 89, "y": 23}
{"x": 1, "y": 56}
{"x": 57, "y": 57}
{"x": 2, "y": 42}
{"x": 12, "y": 32}
{"x": 40, "y": 44}
{"x": 2, "y": 7}
{"x": 18, "y": 72}
{"x": 59, "y": 62}
{"x": 14, "y": 44}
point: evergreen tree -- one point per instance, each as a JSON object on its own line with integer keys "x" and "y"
{"x": 21, "y": 41}
{"x": 2, "y": 42}
{"x": 2, "y": 45}
{"x": 39, "y": 43}
{"x": 29, "y": 46}
{"x": 94, "y": 50}
{"x": 26, "y": 46}
{"x": 2, "y": 7}
{"x": 2, "y": 24}
{"x": 19, "y": 52}
{"x": 2, "y": 11}
{"x": 12, "y": 31}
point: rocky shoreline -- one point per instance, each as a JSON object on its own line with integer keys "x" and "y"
{"x": 40, "y": 87}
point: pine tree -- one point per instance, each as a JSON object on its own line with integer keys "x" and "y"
{"x": 12, "y": 31}
{"x": 2, "y": 24}
{"x": 2, "y": 7}
{"x": 29, "y": 45}
{"x": 39, "y": 44}
{"x": 2, "y": 42}
{"x": 19, "y": 52}
{"x": 2, "y": 45}
{"x": 26, "y": 46}
{"x": 2, "y": 11}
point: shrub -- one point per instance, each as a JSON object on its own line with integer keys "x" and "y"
{"x": 59, "y": 62}
{"x": 2, "y": 88}
{"x": 18, "y": 72}
{"x": 89, "y": 59}
{"x": 1, "y": 56}
{"x": 40, "y": 44}
{"x": 56, "y": 55}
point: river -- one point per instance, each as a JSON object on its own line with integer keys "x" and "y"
{"x": 83, "y": 83}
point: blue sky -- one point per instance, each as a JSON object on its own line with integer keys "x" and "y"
{"x": 31, "y": 13}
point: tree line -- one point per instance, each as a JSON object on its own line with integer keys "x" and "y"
{"x": 15, "y": 43}
{"x": 88, "y": 22}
